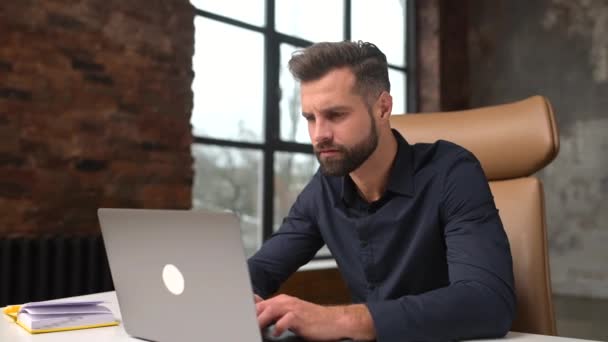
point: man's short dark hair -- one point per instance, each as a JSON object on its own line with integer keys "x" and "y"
{"x": 365, "y": 60}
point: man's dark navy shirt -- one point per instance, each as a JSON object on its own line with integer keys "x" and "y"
{"x": 430, "y": 258}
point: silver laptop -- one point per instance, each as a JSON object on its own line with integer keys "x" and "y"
{"x": 180, "y": 275}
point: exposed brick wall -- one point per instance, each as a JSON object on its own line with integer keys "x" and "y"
{"x": 95, "y": 105}
{"x": 442, "y": 53}
{"x": 428, "y": 29}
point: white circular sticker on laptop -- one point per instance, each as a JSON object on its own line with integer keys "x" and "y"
{"x": 173, "y": 279}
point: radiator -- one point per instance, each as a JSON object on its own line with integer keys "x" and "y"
{"x": 33, "y": 269}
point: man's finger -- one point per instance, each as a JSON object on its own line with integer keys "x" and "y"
{"x": 286, "y": 322}
{"x": 268, "y": 315}
{"x": 261, "y": 306}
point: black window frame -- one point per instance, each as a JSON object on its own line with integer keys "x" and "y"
{"x": 272, "y": 142}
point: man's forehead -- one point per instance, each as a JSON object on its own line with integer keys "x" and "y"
{"x": 328, "y": 103}
{"x": 334, "y": 89}
{"x": 336, "y": 79}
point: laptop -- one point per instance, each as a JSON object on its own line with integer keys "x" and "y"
{"x": 181, "y": 275}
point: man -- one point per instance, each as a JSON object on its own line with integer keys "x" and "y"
{"x": 413, "y": 228}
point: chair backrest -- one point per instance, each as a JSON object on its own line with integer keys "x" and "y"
{"x": 512, "y": 141}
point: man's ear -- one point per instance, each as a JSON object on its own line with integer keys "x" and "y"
{"x": 385, "y": 104}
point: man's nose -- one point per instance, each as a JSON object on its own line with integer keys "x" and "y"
{"x": 322, "y": 132}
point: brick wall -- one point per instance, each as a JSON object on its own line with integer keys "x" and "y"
{"x": 95, "y": 104}
{"x": 442, "y": 55}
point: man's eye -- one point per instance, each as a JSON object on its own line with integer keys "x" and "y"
{"x": 336, "y": 115}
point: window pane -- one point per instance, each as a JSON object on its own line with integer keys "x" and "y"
{"x": 293, "y": 125}
{"x": 397, "y": 79}
{"x": 249, "y": 11}
{"x": 314, "y": 20}
{"x": 292, "y": 172}
{"x": 381, "y": 22}
{"x": 228, "y": 86}
{"x": 230, "y": 178}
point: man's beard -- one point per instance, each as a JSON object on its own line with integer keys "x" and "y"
{"x": 347, "y": 160}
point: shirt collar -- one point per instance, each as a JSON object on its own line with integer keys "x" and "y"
{"x": 401, "y": 176}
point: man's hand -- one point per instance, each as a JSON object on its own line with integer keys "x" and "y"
{"x": 316, "y": 322}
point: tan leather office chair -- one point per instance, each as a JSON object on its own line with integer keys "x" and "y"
{"x": 512, "y": 142}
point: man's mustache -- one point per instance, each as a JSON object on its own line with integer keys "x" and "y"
{"x": 328, "y": 146}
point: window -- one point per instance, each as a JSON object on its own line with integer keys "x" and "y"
{"x": 251, "y": 149}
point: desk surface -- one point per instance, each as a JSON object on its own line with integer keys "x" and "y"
{"x": 9, "y": 331}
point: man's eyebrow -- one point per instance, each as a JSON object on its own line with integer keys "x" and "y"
{"x": 337, "y": 108}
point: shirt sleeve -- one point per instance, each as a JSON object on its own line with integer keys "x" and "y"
{"x": 480, "y": 299}
{"x": 293, "y": 245}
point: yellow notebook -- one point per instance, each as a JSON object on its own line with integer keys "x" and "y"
{"x": 60, "y": 315}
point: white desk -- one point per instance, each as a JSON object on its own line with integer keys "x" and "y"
{"x": 9, "y": 331}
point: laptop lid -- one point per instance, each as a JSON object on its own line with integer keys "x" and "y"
{"x": 180, "y": 275}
